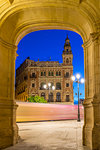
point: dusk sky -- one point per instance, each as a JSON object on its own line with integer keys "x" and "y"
{"x": 50, "y": 43}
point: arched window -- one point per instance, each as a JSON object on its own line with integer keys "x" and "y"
{"x": 33, "y": 84}
{"x": 67, "y": 84}
{"x": 33, "y": 75}
{"x": 67, "y": 74}
{"x": 42, "y": 86}
{"x": 58, "y": 86}
{"x": 67, "y": 98}
{"x": 43, "y": 95}
{"x": 67, "y": 49}
{"x": 67, "y": 61}
{"x": 58, "y": 97}
{"x": 50, "y": 98}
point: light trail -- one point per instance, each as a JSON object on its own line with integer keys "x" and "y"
{"x": 41, "y": 112}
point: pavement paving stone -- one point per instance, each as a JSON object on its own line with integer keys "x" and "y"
{"x": 52, "y": 135}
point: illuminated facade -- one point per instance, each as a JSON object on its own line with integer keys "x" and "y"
{"x": 31, "y": 77}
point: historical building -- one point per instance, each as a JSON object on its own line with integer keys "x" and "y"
{"x": 49, "y": 79}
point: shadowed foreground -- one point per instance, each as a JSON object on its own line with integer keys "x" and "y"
{"x": 53, "y": 135}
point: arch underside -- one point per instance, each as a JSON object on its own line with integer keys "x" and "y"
{"x": 23, "y": 18}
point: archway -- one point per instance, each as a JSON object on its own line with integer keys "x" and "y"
{"x": 18, "y": 19}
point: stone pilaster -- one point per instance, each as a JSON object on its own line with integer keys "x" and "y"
{"x": 8, "y": 127}
{"x": 91, "y": 134}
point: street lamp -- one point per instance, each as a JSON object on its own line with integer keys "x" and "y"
{"x": 78, "y": 81}
{"x": 49, "y": 87}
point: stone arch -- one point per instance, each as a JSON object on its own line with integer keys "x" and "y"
{"x": 20, "y": 18}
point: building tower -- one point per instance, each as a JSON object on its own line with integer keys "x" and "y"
{"x": 67, "y": 53}
{"x": 67, "y": 71}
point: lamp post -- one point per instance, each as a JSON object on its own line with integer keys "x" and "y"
{"x": 78, "y": 81}
{"x": 49, "y": 87}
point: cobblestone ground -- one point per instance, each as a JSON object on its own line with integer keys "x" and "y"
{"x": 52, "y": 135}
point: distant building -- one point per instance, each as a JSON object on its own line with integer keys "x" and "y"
{"x": 31, "y": 77}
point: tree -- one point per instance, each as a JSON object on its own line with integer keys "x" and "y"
{"x": 37, "y": 99}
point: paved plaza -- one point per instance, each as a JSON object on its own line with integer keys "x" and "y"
{"x": 52, "y": 135}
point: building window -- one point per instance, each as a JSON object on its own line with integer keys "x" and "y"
{"x": 67, "y": 74}
{"x": 25, "y": 77}
{"x": 43, "y": 95}
{"x": 58, "y": 86}
{"x": 67, "y": 84}
{"x": 42, "y": 86}
{"x": 44, "y": 73}
{"x": 50, "y": 73}
{"x": 67, "y": 98}
{"x": 58, "y": 97}
{"x": 33, "y": 74}
{"x": 67, "y": 61}
{"x": 33, "y": 85}
{"x": 50, "y": 97}
{"x": 41, "y": 73}
{"x": 66, "y": 50}
{"x": 57, "y": 73}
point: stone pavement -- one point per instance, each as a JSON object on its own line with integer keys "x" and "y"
{"x": 52, "y": 135}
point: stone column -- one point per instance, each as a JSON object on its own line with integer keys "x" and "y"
{"x": 8, "y": 127}
{"x": 91, "y": 129}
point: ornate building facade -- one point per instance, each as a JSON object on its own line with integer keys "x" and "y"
{"x": 49, "y": 79}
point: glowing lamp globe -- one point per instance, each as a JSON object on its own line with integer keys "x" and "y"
{"x": 78, "y": 76}
{"x": 73, "y": 78}
{"x": 82, "y": 80}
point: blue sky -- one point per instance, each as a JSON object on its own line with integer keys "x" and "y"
{"x": 44, "y": 44}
